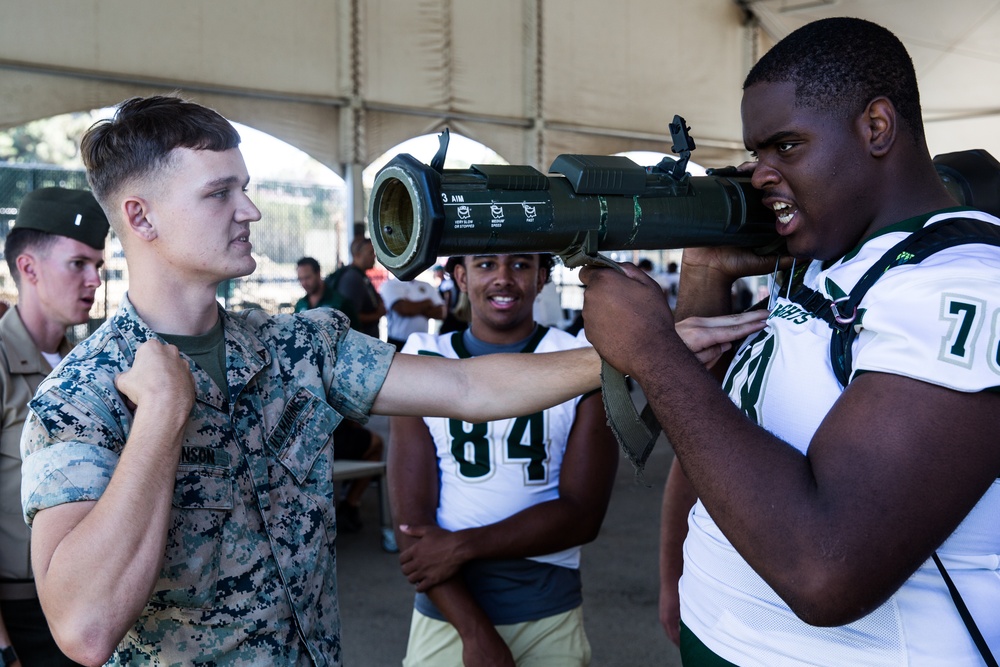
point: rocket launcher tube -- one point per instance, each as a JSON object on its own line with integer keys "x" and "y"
{"x": 590, "y": 204}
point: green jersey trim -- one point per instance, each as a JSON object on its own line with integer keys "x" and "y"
{"x": 909, "y": 226}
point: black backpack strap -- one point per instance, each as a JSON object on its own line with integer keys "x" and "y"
{"x": 963, "y": 611}
{"x": 840, "y": 314}
{"x": 333, "y": 279}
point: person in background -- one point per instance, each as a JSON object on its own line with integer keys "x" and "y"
{"x": 440, "y": 276}
{"x": 646, "y": 265}
{"x": 670, "y": 281}
{"x": 351, "y": 440}
{"x": 317, "y": 295}
{"x": 742, "y": 295}
{"x": 514, "y": 508}
{"x": 454, "y": 299}
{"x": 410, "y": 306}
{"x": 354, "y": 284}
{"x": 54, "y": 252}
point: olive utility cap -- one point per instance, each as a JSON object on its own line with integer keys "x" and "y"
{"x": 72, "y": 213}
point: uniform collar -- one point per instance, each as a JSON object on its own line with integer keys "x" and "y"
{"x": 23, "y": 356}
{"x": 246, "y": 354}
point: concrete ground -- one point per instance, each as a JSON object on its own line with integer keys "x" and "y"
{"x": 620, "y": 580}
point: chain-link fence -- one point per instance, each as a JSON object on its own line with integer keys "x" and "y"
{"x": 296, "y": 220}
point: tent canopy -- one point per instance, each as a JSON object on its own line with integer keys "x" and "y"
{"x": 347, "y": 80}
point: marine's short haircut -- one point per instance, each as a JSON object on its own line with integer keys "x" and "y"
{"x": 20, "y": 241}
{"x": 841, "y": 64}
{"x": 308, "y": 261}
{"x": 139, "y": 138}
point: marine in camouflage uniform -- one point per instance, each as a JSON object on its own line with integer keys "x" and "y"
{"x": 249, "y": 575}
{"x": 54, "y": 253}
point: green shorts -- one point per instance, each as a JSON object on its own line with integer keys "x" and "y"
{"x": 554, "y": 641}
{"x": 694, "y": 653}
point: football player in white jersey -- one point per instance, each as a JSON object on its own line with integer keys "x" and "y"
{"x": 817, "y": 507}
{"x": 482, "y": 505}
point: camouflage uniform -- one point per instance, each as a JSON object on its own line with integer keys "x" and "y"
{"x": 250, "y": 570}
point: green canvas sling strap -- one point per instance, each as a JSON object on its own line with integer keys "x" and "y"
{"x": 635, "y": 431}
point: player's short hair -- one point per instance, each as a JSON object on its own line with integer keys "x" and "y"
{"x": 841, "y": 64}
{"x": 138, "y": 140}
{"x": 308, "y": 261}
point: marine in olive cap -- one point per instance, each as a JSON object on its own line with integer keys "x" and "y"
{"x": 72, "y": 213}
{"x": 54, "y": 251}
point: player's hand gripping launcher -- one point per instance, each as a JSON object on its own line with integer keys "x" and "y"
{"x": 589, "y": 204}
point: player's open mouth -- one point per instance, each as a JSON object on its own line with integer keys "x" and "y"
{"x": 783, "y": 211}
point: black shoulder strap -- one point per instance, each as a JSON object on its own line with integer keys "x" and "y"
{"x": 918, "y": 246}
{"x": 963, "y": 611}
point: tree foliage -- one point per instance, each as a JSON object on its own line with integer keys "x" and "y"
{"x": 53, "y": 140}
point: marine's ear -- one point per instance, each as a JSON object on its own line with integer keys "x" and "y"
{"x": 25, "y": 264}
{"x": 138, "y": 218}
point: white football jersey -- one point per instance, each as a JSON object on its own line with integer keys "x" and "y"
{"x": 491, "y": 470}
{"x": 938, "y": 322}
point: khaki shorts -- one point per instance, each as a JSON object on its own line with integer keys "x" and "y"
{"x": 554, "y": 641}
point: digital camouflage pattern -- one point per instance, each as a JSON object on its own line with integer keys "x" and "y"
{"x": 249, "y": 575}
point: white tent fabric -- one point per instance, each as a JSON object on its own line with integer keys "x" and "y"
{"x": 347, "y": 80}
{"x": 955, "y": 47}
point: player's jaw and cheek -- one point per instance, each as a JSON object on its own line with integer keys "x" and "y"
{"x": 810, "y": 169}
